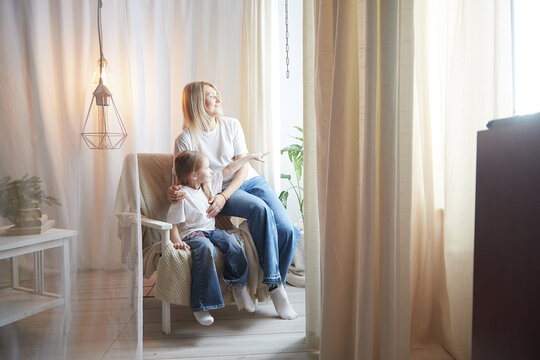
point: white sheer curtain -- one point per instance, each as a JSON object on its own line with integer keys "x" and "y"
{"x": 312, "y": 247}
{"x": 51, "y": 49}
{"x": 260, "y": 84}
{"x": 52, "y": 54}
{"x": 463, "y": 80}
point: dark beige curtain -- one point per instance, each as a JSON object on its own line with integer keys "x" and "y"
{"x": 363, "y": 101}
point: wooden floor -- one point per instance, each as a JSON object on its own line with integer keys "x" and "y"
{"x": 104, "y": 327}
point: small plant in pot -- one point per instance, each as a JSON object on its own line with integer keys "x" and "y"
{"x": 295, "y": 152}
{"x": 20, "y": 199}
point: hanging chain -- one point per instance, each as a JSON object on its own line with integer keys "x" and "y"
{"x": 287, "y": 36}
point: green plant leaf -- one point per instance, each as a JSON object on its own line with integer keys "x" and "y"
{"x": 299, "y": 159}
{"x": 292, "y": 156}
{"x": 285, "y": 176}
{"x": 298, "y": 170}
{"x": 283, "y": 196}
{"x": 293, "y": 147}
{"x": 299, "y": 129}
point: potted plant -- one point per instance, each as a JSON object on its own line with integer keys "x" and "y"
{"x": 296, "y": 157}
{"x": 296, "y": 272}
{"x": 20, "y": 200}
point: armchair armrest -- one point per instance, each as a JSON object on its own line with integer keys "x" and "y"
{"x": 131, "y": 218}
{"x": 163, "y": 227}
{"x": 155, "y": 224}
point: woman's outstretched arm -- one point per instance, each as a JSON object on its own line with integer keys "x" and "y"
{"x": 241, "y": 161}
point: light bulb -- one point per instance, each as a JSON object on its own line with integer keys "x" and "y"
{"x": 105, "y": 75}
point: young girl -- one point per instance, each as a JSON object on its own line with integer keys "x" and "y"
{"x": 193, "y": 229}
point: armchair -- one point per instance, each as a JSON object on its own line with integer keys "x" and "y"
{"x": 153, "y": 174}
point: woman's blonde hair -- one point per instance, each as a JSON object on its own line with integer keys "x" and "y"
{"x": 185, "y": 163}
{"x": 196, "y": 119}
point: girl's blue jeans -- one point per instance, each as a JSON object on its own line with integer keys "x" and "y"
{"x": 205, "y": 289}
{"x": 273, "y": 232}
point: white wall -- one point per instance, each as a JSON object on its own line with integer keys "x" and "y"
{"x": 291, "y": 91}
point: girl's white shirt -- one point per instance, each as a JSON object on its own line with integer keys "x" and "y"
{"x": 189, "y": 214}
{"x": 220, "y": 145}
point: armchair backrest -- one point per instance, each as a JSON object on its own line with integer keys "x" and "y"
{"x": 150, "y": 175}
{"x": 155, "y": 177}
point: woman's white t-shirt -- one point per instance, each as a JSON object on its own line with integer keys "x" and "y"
{"x": 220, "y": 145}
{"x": 189, "y": 214}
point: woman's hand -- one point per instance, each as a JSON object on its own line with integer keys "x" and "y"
{"x": 181, "y": 245}
{"x": 216, "y": 204}
{"x": 259, "y": 156}
{"x": 175, "y": 194}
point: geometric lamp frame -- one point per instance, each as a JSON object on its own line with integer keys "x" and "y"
{"x": 110, "y": 135}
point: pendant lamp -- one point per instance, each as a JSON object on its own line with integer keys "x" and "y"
{"x": 103, "y": 128}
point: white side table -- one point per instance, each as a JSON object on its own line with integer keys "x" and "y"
{"x": 17, "y": 302}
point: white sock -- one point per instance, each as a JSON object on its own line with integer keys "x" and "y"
{"x": 281, "y": 303}
{"x": 242, "y": 294}
{"x": 204, "y": 318}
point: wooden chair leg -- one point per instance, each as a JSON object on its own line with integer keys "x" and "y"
{"x": 165, "y": 306}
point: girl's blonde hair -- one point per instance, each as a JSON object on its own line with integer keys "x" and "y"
{"x": 196, "y": 119}
{"x": 185, "y": 163}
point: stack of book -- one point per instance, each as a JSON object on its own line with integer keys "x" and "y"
{"x": 34, "y": 223}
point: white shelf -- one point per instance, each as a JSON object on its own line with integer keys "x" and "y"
{"x": 19, "y": 304}
{"x": 39, "y": 241}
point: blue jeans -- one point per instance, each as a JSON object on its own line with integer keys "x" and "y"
{"x": 273, "y": 232}
{"x": 205, "y": 289}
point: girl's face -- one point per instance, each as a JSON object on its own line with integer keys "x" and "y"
{"x": 204, "y": 174}
{"x": 212, "y": 102}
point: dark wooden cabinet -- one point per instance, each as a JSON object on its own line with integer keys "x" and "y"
{"x": 506, "y": 293}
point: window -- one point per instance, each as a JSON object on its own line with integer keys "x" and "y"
{"x": 526, "y": 56}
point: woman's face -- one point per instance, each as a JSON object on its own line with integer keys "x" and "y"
{"x": 212, "y": 103}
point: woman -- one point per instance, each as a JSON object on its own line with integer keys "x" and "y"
{"x": 244, "y": 193}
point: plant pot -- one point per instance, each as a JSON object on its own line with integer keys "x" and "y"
{"x": 296, "y": 273}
